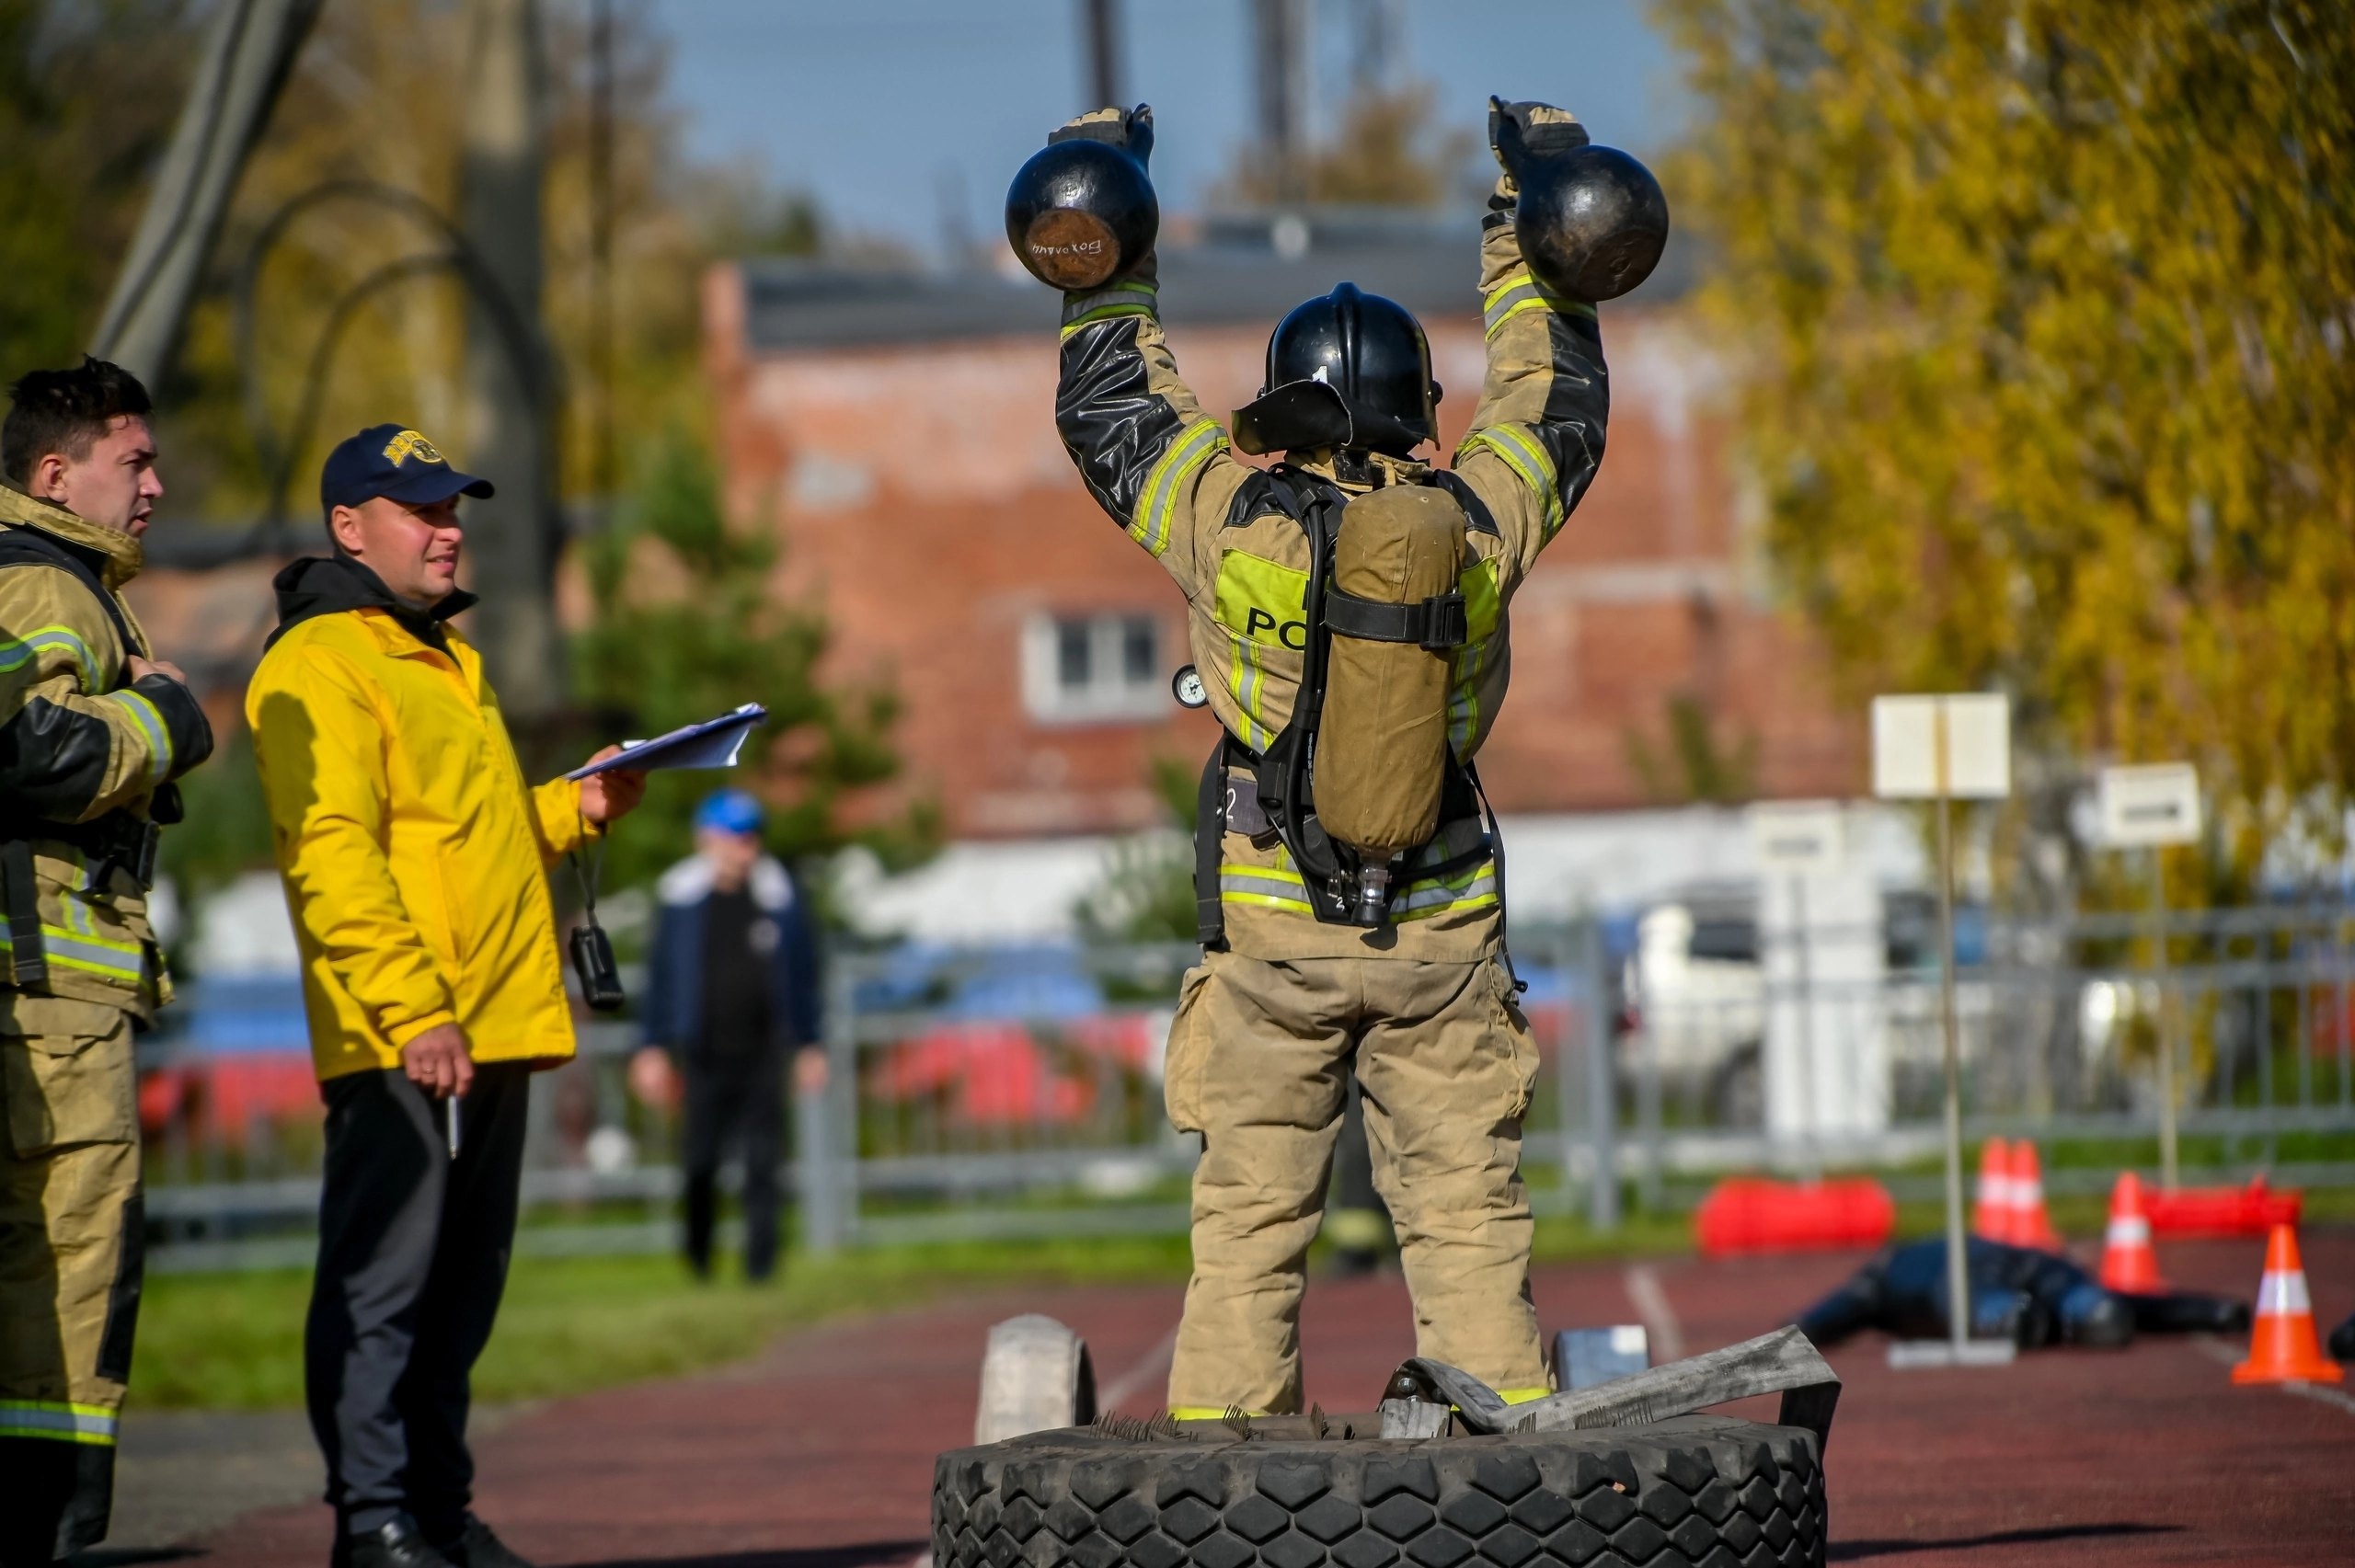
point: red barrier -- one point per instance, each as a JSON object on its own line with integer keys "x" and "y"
{"x": 1755, "y": 1213}
{"x": 2221, "y": 1213}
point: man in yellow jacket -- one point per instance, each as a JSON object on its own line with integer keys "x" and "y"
{"x": 415, "y": 858}
{"x": 93, "y": 732}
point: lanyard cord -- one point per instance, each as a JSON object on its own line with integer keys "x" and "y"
{"x": 587, "y": 875}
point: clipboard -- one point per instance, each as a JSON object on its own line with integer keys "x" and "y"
{"x": 711, "y": 744}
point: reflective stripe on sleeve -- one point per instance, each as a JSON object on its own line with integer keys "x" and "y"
{"x": 151, "y": 723}
{"x": 1523, "y": 292}
{"x": 1158, "y": 503}
{"x": 1527, "y": 456}
{"x": 57, "y": 1422}
{"x": 16, "y": 652}
{"x": 1130, "y": 298}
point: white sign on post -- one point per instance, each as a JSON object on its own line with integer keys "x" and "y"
{"x": 1798, "y": 835}
{"x": 1958, "y": 747}
{"x": 2142, "y": 806}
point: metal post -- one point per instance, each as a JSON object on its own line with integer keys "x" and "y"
{"x": 820, "y": 1234}
{"x": 1958, "y": 1267}
{"x": 2169, "y": 1168}
{"x": 1568, "y": 955}
{"x": 1810, "y": 1148}
{"x": 1601, "y": 1092}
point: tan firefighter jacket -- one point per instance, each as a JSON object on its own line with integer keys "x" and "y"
{"x": 1162, "y": 468}
{"x": 82, "y": 754}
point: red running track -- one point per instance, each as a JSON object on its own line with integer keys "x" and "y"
{"x": 819, "y": 1455}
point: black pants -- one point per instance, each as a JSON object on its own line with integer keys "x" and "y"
{"x": 413, "y": 1250}
{"x": 735, "y": 1097}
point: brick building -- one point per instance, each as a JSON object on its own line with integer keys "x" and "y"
{"x": 898, "y": 433}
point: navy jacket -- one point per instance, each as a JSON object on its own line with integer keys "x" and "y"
{"x": 673, "y": 1012}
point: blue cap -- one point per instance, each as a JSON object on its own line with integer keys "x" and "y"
{"x": 397, "y": 463}
{"x": 728, "y": 811}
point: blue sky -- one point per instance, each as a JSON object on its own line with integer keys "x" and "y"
{"x": 898, "y": 112}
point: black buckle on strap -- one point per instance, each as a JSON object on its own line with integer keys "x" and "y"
{"x": 1437, "y": 624}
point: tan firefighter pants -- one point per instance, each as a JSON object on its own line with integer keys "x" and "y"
{"x": 69, "y": 1265}
{"x": 1256, "y": 1064}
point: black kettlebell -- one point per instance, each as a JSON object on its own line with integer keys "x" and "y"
{"x": 1591, "y": 219}
{"x": 1082, "y": 211}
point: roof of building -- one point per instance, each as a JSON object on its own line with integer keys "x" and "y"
{"x": 1246, "y": 268}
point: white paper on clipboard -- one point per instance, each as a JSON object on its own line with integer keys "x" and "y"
{"x": 711, "y": 744}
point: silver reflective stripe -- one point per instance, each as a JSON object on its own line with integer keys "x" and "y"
{"x": 159, "y": 738}
{"x": 2280, "y": 1294}
{"x": 1247, "y": 883}
{"x": 26, "y": 1418}
{"x": 123, "y": 960}
{"x": 1121, "y": 299}
{"x": 1434, "y": 897}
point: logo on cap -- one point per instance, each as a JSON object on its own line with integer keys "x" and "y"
{"x": 409, "y": 444}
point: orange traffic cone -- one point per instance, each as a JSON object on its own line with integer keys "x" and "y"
{"x": 2285, "y": 1348}
{"x": 2031, "y": 1227}
{"x": 1991, "y": 1208}
{"x": 2127, "y": 1261}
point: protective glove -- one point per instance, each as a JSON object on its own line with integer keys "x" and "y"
{"x": 1131, "y": 129}
{"x": 1519, "y": 132}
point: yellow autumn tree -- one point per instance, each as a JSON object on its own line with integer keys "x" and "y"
{"x": 2045, "y": 311}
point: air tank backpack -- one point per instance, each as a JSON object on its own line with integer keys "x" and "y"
{"x": 1362, "y": 778}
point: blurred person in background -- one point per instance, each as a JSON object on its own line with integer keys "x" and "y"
{"x": 415, "y": 862}
{"x": 731, "y": 993}
{"x": 92, "y": 730}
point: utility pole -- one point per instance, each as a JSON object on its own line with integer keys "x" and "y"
{"x": 1282, "y": 62}
{"x": 1099, "y": 25}
{"x": 249, "y": 50}
{"x": 600, "y": 247}
{"x": 510, "y": 436}
{"x": 1381, "y": 38}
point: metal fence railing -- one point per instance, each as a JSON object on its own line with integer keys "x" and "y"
{"x": 1015, "y": 1092}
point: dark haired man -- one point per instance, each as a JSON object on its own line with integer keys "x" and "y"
{"x": 414, "y": 857}
{"x": 93, "y": 729}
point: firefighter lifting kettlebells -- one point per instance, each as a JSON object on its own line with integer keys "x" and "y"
{"x": 1347, "y": 615}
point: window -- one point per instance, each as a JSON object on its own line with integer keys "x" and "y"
{"x": 1093, "y": 669}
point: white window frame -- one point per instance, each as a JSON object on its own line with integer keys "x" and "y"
{"x": 1110, "y": 697}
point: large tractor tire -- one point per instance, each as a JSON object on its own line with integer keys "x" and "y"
{"x": 1699, "y": 1490}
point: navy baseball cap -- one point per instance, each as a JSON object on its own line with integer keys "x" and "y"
{"x": 398, "y": 463}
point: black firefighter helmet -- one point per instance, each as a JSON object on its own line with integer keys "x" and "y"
{"x": 1348, "y": 370}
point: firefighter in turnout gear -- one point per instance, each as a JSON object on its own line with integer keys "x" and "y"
{"x": 1347, "y": 615}
{"x": 92, "y": 732}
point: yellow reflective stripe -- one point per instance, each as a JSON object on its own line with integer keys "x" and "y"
{"x": 1521, "y": 1396}
{"x": 1527, "y": 457}
{"x": 1158, "y": 501}
{"x": 1523, "y": 292}
{"x": 159, "y": 738}
{"x": 56, "y": 1422}
{"x": 1205, "y": 1412}
{"x": 1249, "y": 683}
{"x": 1460, "y": 906}
{"x": 1483, "y": 609}
{"x": 1265, "y": 886}
{"x": 1130, "y": 298}
{"x": 16, "y": 652}
{"x": 96, "y": 954}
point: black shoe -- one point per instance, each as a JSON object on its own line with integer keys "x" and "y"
{"x": 478, "y": 1547}
{"x": 397, "y": 1543}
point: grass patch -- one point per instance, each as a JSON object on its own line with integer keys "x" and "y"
{"x": 235, "y": 1340}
